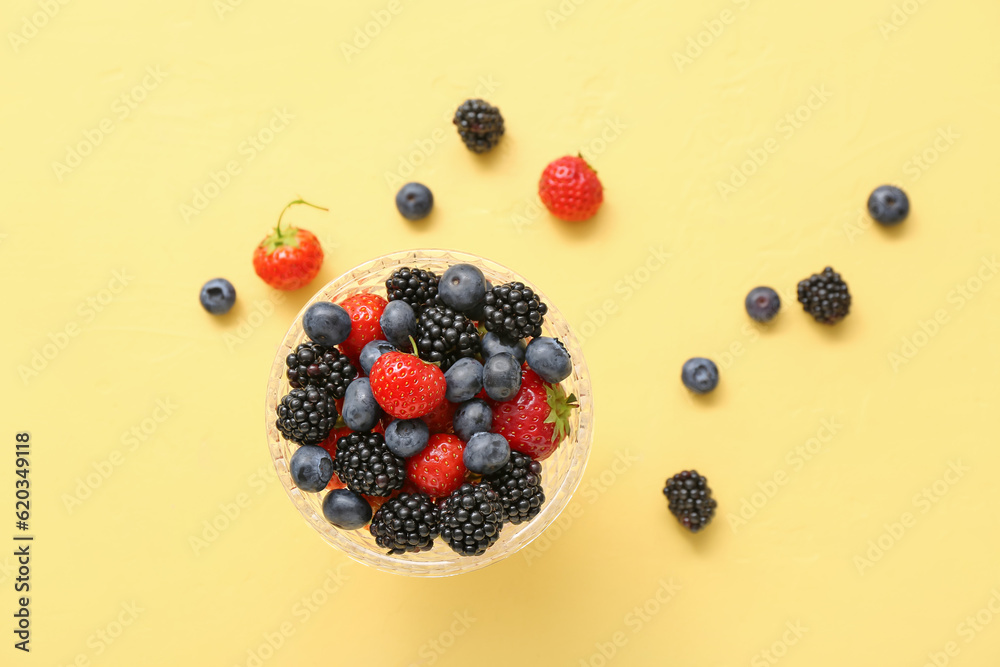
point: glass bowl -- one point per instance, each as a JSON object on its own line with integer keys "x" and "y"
{"x": 561, "y": 472}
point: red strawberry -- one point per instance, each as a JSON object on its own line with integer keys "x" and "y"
{"x": 570, "y": 189}
{"x": 439, "y": 420}
{"x": 439, "y": 469}
{"x": 536, "y": 420}
{"x": 406, "y": 386}
{"x": 365, "y": 310}
{"x": 289, "y": 258}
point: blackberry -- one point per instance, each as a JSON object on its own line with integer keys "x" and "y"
{"x": 690, "y": 499}
{"x": 471, "y": 519}
{"x": 479, "y": 124}
{"x": 366, "y": 465}
{"x": 408, "y": 522}
{"x": 519, "y": 485}
{"x": 315, "y": 365}
{"x": 513, "y": 312}
{"x": 306, "y": 415}
{"x": 825, "y": 296}
{"x": 416, "y": 287}
{"x": 445, "y": 336}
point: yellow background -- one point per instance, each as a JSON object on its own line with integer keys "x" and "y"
{"x": 681, "y": 129}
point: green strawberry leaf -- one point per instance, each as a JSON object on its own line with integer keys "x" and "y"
{"x": 560, "y": 409}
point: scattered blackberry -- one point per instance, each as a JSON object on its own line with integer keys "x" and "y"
{"x": 445, "y": 336}
{"x": 825, "y": 296}
{"x": 314, "y": 365}
{"x": 471, "y": 519}
{"x": 519, "y": 485}
{"x": 479, "y": 124}
{"x": 416, "y": 287}
{"x": 306, "y": 415}
{"x": 690, "y": 499}
{"x": 513, "y": 312}
{"x": 408, "y": 522}
{"x": 365, "y": 464}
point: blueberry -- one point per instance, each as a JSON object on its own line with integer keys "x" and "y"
{"x": 472, "y": 417}
{"x": 361, "y": 410}
{"x": 465, "y": 380}
{"x": 414, "y": 201}
{"x": 486, "y": 453}
{"x": 346, "y": 509}
{"x": 762, "y": 304}
{"x": 407, "y": 437}
{"x": 327, "y": 323}
{"x": 888, "y": 205}
{"x": 311, "y": 468}
{"x": 399, "y": 323}
{"x": 547, "y": 357}
{"x": 700, "y": 375}
{"x": 218, "y": 296}
{"x": 494, "y": 344}
{"x": 372, "y": 351}
{"x": 478, "y": 312}
{"x": 462, "y": 287}
{"x": 502, "y": 376}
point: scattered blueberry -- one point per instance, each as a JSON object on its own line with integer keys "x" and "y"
{"x": 327, "y": 323}
{"x": 218, "y": 296}
{"x": 311, "y": 468}
{"x": 372, "y": 351}
{"x": 407, "y": 437}
{"x": 700, "y": 375}
{"x": 888, "y": 205}
{"x": 472, "y": 417}
{"x": 346, "y": 509}
{"x": 502, "y": 376}
{"x": 361, "y": 410}
{"x": 547, "y": 357}
{"x": 486, "y": 453}
{"x": 399, "y": 323}
{"x": 414, "y": 201}
{"x": 762, "y": 304}
{"x": 494, "y": 344}
{"x": 462, "y": 287}
{"x": 465, "y": 380}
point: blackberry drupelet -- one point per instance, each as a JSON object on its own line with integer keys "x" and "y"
{"x": 825, "y": 296}
{"x": 445, "y": 336}
{"x": 306, "y": 415}
{"x": 479, "y": 124}
{"x": 471, "y": 519}
{"x": 519, "y": 486}
{"x": 315, "y": 365}
{"x": 416, "y": 287}
{"x": 690, "y": 499}
{"x": 366, "y": 465}
{"x": 408, "y": 522}
{"x": 513, "y": 312}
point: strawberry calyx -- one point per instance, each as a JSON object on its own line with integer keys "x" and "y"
{"x": 289, "y": 236}
{"x": 589, "y": 166}
{"x": 560, "y": 408}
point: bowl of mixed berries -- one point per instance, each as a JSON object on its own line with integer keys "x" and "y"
{"x": 429, "y": 413}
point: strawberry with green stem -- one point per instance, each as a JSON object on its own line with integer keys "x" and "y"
{"x": 289, "y": 258}
{"x": 536, "y": 420}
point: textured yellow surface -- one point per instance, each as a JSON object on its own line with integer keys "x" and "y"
{"x": 737, "y": 141}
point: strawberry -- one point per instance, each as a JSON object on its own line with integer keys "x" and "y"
{"x": 289, "y": 258}
{"x": 406, "y": 386}
{"x": 439, "y": 420}
{"x": 439, "y": 469}
{"x": 365, "y": 310}
{"x": 536, "y": 420}
{"x": 570, "y": 189}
